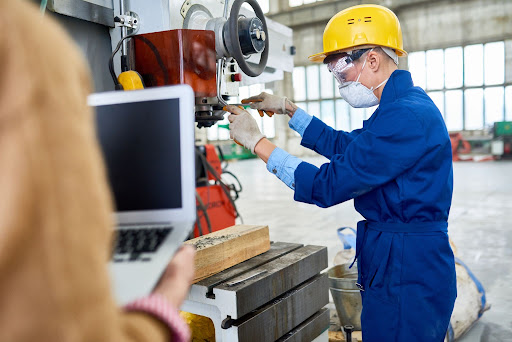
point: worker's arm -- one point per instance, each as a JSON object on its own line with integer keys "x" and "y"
{"x": 279, "y": 162}
{"x": 316, "y": 135}
{"x": 56, "y": 213}
{"x": 319, "y": 137}
{"x": 390, "y": 146}
{"x": 245, "y": 130}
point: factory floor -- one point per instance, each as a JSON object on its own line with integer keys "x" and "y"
{"x": 480, "y": 225}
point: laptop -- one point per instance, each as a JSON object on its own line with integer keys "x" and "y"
{"x": 147, "y": 140}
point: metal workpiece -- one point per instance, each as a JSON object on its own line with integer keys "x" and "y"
{"x": 275, "y": 291}
{"x": 286, "y": 266}
{"x": 277, "y": 249}
{"x": 285, "y": 313}
{"x": 309, "y": 330}
{"x": 282, "y": 275}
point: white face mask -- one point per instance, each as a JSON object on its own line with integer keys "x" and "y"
{"x": 357, "y": 95}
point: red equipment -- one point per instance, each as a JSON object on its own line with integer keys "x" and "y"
{"x": 218, "y": 208}
{"x": 215, "y": 201}
{"x": 178, "y": 57}
{"x": 459, "y": 145}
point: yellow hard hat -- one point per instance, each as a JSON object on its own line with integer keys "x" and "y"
{"x": 359, "y": 27}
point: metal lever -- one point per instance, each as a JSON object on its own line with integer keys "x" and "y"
{"x": 220, "y": 66}
{"x": 233, "y": 283}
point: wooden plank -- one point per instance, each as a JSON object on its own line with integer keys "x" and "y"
{"x": 225, "y": 248}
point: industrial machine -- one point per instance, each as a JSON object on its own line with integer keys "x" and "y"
{"x": 215, "y": 47}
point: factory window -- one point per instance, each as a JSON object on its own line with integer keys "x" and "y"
{"x": 221, "y": 132}
{"x": 466, "y": 83}
{"x": 295, "y": 3}
{"x": 508, "y": 103}
{"x": 316, "y": 91}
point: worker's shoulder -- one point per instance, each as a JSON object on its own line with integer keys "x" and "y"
{"x": 415, "y": 104}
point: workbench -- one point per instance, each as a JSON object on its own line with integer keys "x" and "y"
{"x": 276, "y": 296}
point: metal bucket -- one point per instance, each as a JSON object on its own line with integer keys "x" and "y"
{"x": 346, "y": 295}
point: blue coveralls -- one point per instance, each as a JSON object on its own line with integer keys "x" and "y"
{"x": 398, "y": 169}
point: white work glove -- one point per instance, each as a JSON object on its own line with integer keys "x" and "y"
{"x": 267, "y": 103}
{"x": 243, "y": 128}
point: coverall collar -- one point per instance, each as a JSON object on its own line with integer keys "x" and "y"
{"x": 398, "y": 83}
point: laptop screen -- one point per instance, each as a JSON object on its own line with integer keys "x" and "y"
{"x": 141, "y": 149}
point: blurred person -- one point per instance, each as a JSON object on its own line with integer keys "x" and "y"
{"x": 397, "y": 168}
{"x": 56, "y": 210}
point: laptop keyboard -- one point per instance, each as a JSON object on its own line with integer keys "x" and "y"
{"x": 131, "y": 243}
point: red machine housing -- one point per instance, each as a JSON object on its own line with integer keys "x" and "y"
{"x": 178, "y": 57}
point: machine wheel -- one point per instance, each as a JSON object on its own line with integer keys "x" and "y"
{"x": 232, "y": 38}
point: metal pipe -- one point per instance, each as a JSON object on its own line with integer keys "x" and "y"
{"x": 226, "y": 6}
{"x": 124, "y": 31}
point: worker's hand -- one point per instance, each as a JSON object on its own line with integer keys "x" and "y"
{"x": 268, "y": 103}
{"x": 243, "y": 127}
{"x": 177, "y": 278}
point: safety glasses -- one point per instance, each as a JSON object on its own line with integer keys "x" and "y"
{"x": 340, "y": 64}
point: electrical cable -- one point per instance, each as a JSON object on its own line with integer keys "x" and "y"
{"x": 111, "y": 60}
{"x": 236, "y": 178}
{"x": 205, "y": 169}
{"x": 224, "y": 187}
{"x": 199, "y": 225}
{"x": 205, "y": 212}
{"x": 222, "y": 159}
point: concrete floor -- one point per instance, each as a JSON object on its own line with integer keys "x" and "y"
{"x": 480, "y": 226}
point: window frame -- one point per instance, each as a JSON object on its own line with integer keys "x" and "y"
{"x": 318, "y": 101}
{"x": 464, "y": 87}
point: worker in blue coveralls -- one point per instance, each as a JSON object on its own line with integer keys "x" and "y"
{"x": 397, "y": 168}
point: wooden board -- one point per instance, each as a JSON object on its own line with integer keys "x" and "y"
{"x": 225, "y": 248}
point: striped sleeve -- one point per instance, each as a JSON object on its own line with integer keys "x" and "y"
{"x": 157, "y": 306}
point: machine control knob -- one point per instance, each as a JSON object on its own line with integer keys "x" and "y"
{"x": 251, "y": 35}
{"x": 236, "y": 78}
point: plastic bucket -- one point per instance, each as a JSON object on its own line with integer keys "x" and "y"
{"x": 345, "y": 294}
